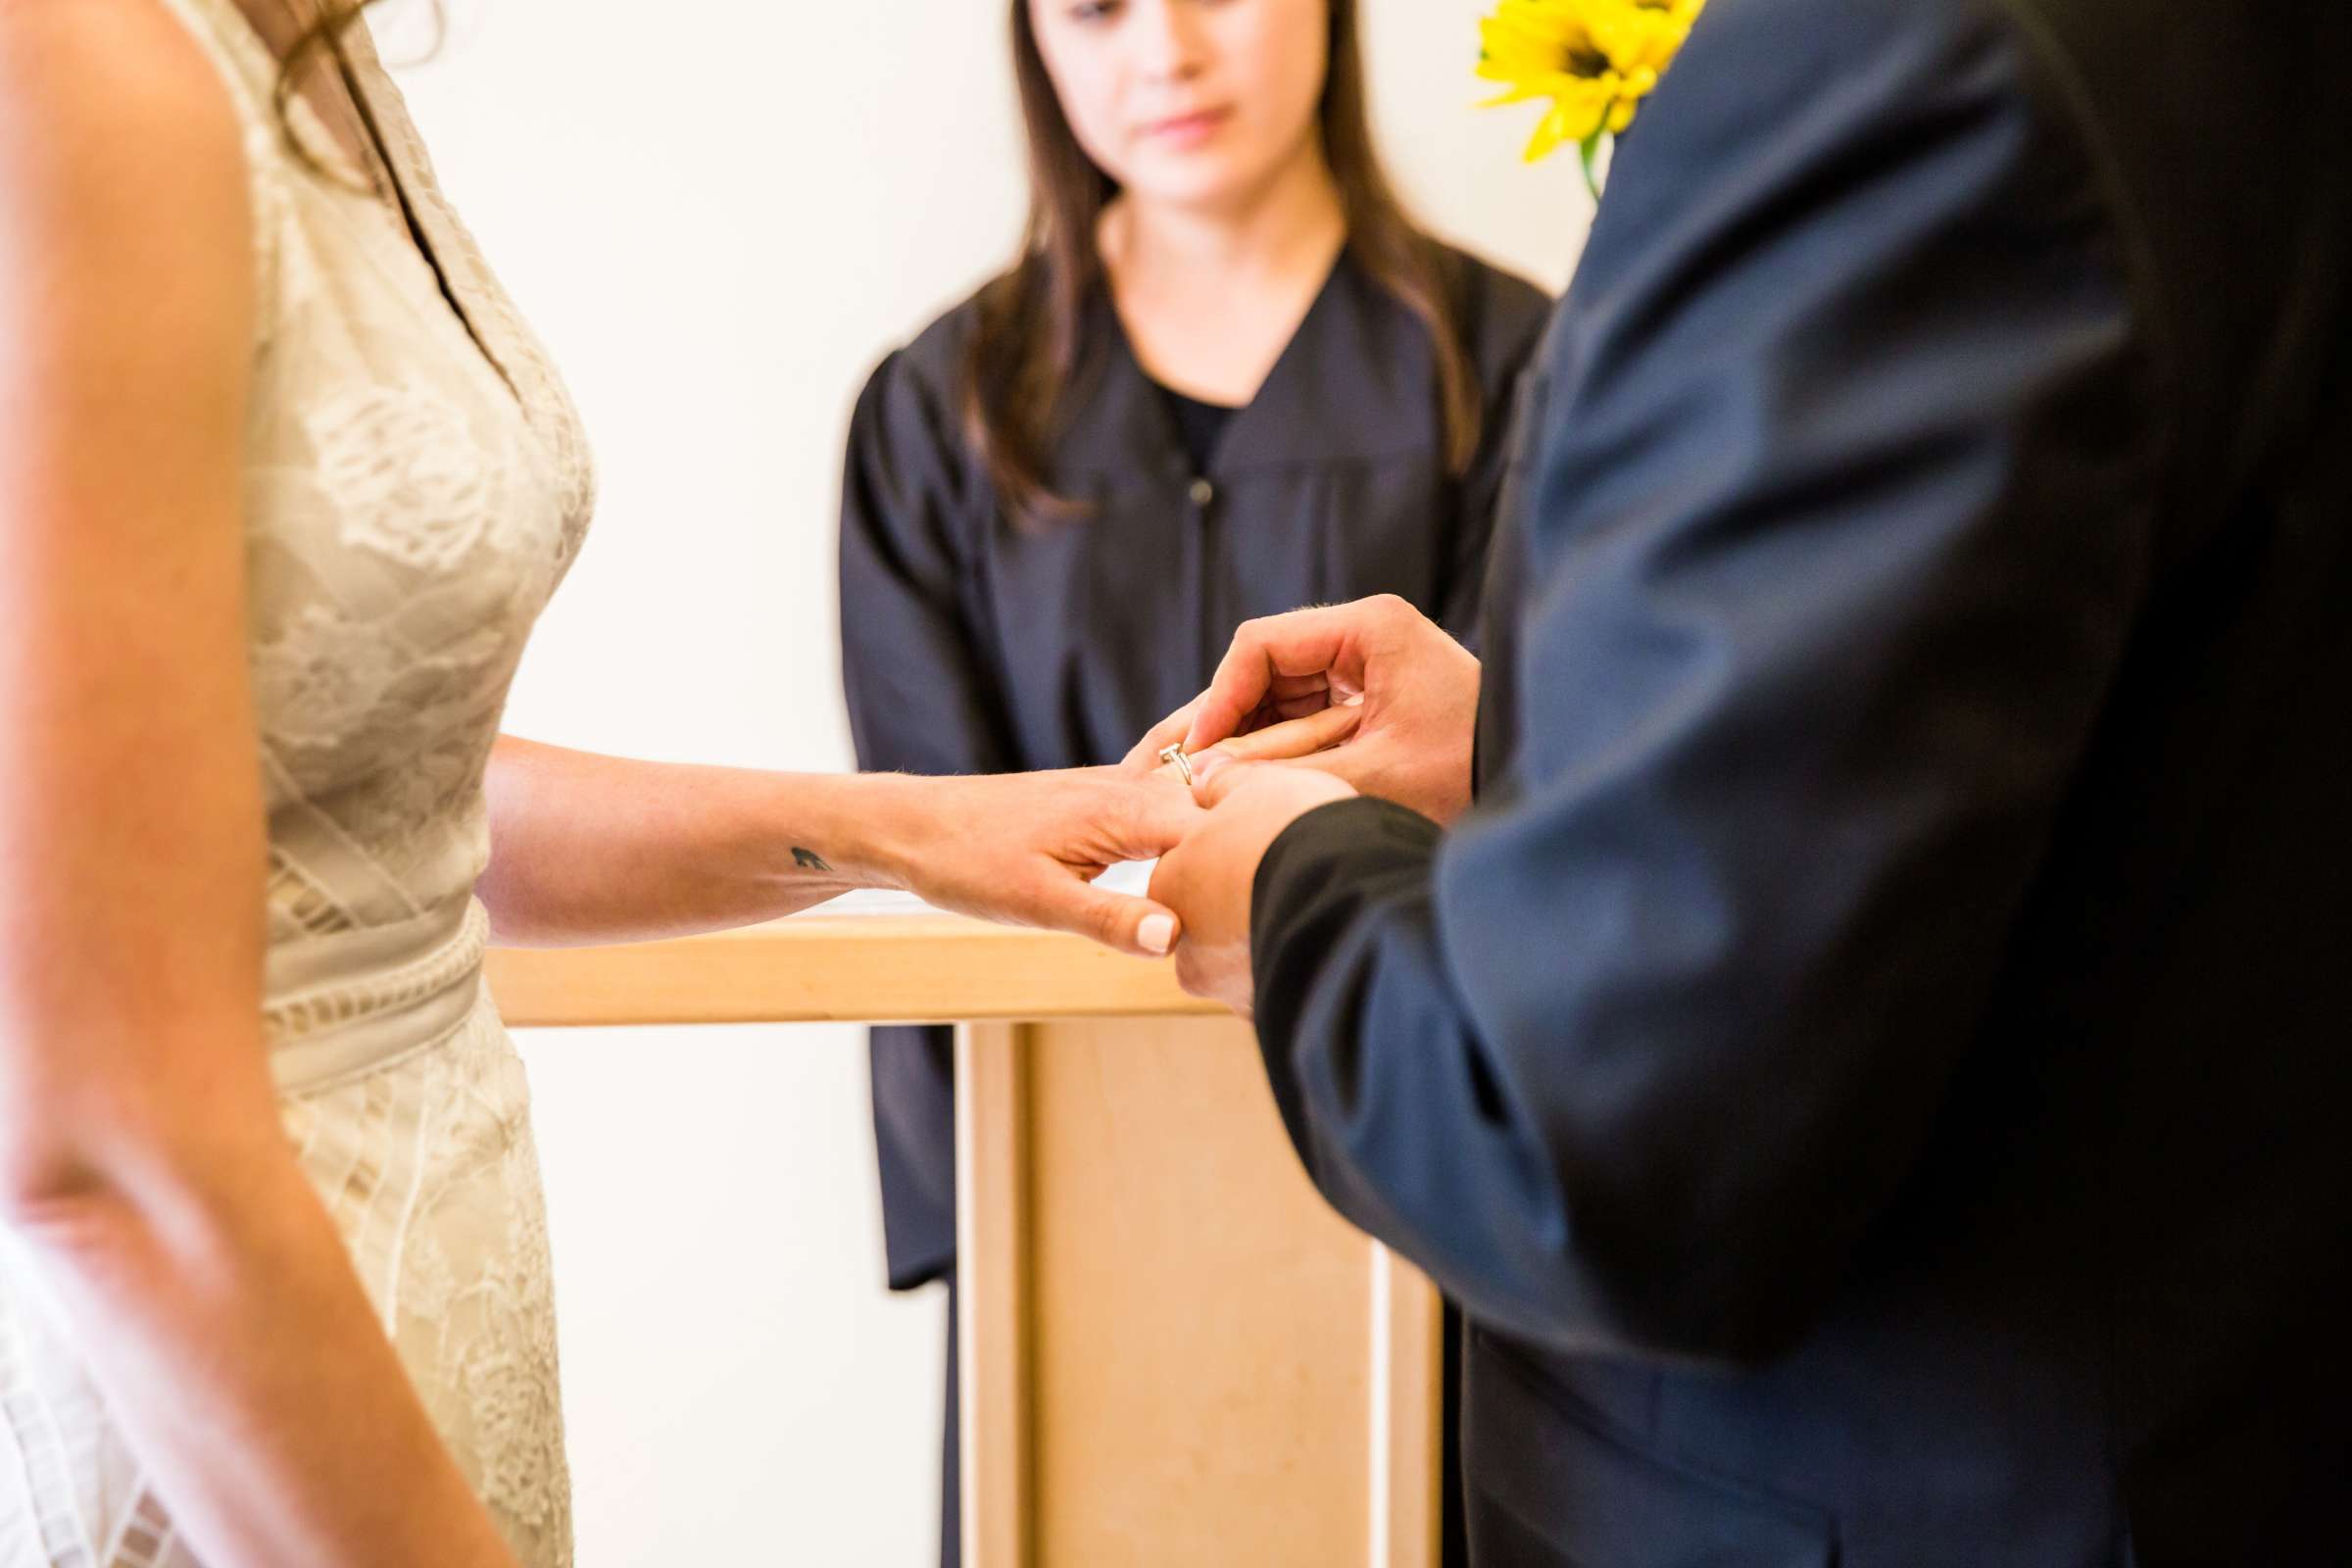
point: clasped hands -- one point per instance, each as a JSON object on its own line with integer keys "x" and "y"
{"x": 1318, "y": 706}
{"x": 1306, "y": 709}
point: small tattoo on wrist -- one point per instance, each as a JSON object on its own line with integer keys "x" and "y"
{"x": 809, "y": 860}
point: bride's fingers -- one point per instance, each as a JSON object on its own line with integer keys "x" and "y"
{"x": 1134, "y": 926}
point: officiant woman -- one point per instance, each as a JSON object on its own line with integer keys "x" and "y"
{"x": 1226, "y": 376}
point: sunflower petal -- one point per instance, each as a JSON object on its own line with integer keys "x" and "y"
{"x": 1594, "y": 61}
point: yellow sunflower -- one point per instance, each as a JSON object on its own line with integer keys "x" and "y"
{"x": 1593, "y": 60}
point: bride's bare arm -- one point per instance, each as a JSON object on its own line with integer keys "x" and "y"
{"x": 144, "y": 1176}
{"x": 589, "y": 849}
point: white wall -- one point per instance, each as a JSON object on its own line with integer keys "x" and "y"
{"x": 719, "y": 214}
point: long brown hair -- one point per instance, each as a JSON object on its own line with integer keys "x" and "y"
{"x": 1025, "y": 348}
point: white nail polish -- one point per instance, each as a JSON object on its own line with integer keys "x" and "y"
{"x": 1158, "y": 933}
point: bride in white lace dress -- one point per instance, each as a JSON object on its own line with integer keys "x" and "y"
{"x": 284, "y": 484}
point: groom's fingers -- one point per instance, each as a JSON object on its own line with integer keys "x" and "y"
{"x": 1226, "y": 781}
{"x": 1346, "y": 760}
{"x": 1285, "y": 690}
{"x": 1299, "y": 707}
{"x": 1288, "y": 697}
{"x": 1212, "y": 791}
{"x": 1292, "y": 650}
{"x": 1315, "y": 731}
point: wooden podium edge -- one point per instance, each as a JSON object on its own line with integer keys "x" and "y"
{"x": 991, "y": 1333}
{"x": 1407, "y": 1419}
{"x": 927, "y": 968}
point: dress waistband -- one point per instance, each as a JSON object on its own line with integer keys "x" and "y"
{"x": 344, "y": 1004}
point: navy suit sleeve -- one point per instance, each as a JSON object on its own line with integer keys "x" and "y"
{"x": 1836, "y": 531}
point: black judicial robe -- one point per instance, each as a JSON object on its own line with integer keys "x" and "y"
{"x": 971, "y": 645}
{"x": 1874, "y": 1067}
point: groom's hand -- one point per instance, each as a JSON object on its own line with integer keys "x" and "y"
{"x": 1207, "y": 879}
{"x": 1373, "y": 692}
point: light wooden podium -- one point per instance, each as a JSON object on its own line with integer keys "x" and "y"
{"x": 1173, "y": 1352}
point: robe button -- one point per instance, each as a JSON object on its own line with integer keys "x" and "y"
{"x": 1203, "y": 492}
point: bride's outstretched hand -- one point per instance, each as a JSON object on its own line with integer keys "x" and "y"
{"x": 1024, "y": 849}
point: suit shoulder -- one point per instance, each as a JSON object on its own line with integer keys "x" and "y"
{"x": 1778, "y": 107}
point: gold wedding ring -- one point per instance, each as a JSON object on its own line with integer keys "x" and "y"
{"x": 1184, "y": 764}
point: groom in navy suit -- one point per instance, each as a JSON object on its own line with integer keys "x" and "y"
{"x": 1872, "y": 1063}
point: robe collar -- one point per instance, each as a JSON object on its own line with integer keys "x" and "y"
{"x": 1357, "y": 350}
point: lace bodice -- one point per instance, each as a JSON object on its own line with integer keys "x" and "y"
{"x": 418, "y": 484}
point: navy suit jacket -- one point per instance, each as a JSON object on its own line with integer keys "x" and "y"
{"x": 1870, "y": 1066}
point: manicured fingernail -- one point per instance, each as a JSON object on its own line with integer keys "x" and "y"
{"x": 1158, "y": 933}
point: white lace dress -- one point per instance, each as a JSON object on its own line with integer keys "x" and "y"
{"x": 414, "y": 497}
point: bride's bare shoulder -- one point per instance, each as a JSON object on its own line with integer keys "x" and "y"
{"x": 115, "y": 122}
{"x": 117, "y": 91}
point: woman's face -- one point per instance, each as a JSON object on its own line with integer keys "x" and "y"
{"x": 1195, "y": 103}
